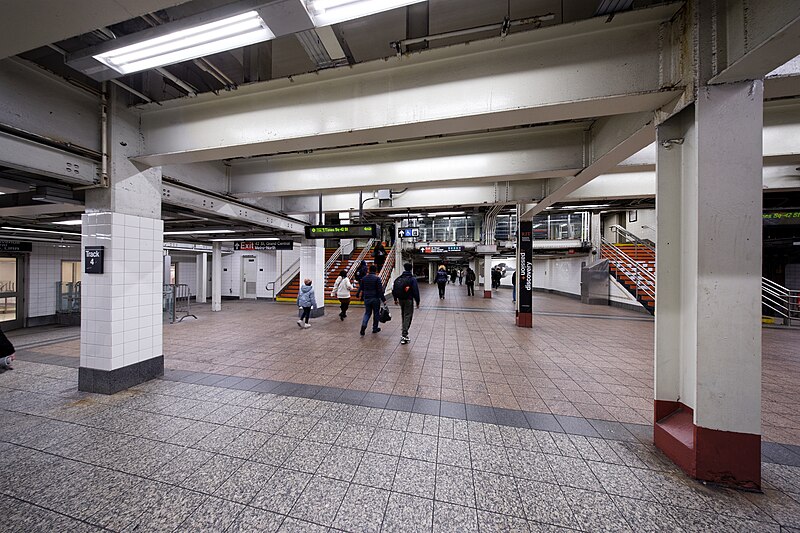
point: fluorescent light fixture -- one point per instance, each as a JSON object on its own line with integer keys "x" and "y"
{"x": 190, "y": 43}
{"x": 446, "y": 213}
{"x": 587, "y": 206}
{"x": 327, "y": 12}
{"x": 199, "y": 232}
{"x": 409, "y": 215}
{"x": 69, "y": 222}
{"x": 245, "y": 239}
{"x": 42, "y": 231}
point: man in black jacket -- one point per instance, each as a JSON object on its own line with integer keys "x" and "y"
{"x": 372, "y": 290}
{"x": 406, "y": 292}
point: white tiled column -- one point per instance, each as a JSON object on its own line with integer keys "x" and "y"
{"x": 312, "y": 266}
{"x": 216, "y": 277}
{"x": 121, "y": 317}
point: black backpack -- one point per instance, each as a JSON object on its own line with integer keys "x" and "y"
{"x": 402, "y": 288}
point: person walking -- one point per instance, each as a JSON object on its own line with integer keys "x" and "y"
{"x": 470, "y": 282}
{"x": 371, "y": 289}
{"x": 453, "y": 276}
{"x": 341, "y": 290}
{"x": 514, "y": 287}
{"x": 379, "y": 256}
{"x": 441, "y": 280}
{"x": 7, "y": 353}
{"x": 361, "y": 271}
{"x": 460, "y": 276}
{"x": 496, "y": 278}
{"x": 406, "y": 292}
{"x": 305, "y": 301}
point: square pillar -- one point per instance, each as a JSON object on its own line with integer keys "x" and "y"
{"x": 312, "y": 266}
{"x": 202, "y": 278}
{"x": 216, "y": 276}
{"x": 487, "y": 276}
{"x": 708, "y": 277}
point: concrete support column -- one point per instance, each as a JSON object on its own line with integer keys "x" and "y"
{"x": 121, "y": 307}
{"x": 432, "y": 272}
{"x": 216, "y": 276}
{"x": 312, "y": 266}
{"x": 708, "y": 268}
{"x": 594, "y": 233}
{"x": 202, "y": 278}
{"x": 487, "y": 276}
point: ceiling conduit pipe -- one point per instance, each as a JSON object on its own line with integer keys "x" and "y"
{"x": 191, "y": 92}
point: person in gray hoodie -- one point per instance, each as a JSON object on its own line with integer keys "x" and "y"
{"x": 305, "y": 301}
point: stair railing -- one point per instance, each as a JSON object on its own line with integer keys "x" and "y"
{"x": 388, "y": 266}
{"x": 630, "y": 237}
{"x": 285, "y": 278}
{"x": 334, "y": 256}
{"x": 644, "y": 281}
{"x": 785, "y": 302}
{"x": 353, "y": 267}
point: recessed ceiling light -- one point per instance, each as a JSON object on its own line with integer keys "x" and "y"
{"x": 199, "y": 232}
{"x": 327, "y": 12}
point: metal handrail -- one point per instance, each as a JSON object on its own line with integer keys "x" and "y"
{"x": 354, "y": 266}
{"x": 642, "y": 278}
{"x": 619, "y": 230}
{"x": 785, "y": 302}
{"x": 285, "y": 278}
{"x": 388, "y": 266}
{"x": 332, "y": 259}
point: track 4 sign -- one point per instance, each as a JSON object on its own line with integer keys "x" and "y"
{"x": 93, "y": 259}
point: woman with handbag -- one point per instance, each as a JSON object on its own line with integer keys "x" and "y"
{"x": 341, "y": 290}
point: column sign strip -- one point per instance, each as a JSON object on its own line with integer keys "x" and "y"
{"x": 261, "y": 246}
{"x": 525, "y": 289}
{"x": 93, "y": 259}
{"x": 348, "y": 231}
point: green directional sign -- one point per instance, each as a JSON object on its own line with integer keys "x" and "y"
{"x": 350, "y": 231}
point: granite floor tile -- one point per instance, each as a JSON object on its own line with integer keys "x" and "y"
{"x": 208, "y": 477}
{"x": 167, "y": 512}
{"x": 692, "y": 520}
{"x": 356, "y": 436}
{"x": 498, "y": 523}
{"x": 340, "y": 463}
{"x": 245, "y": 482}
{"x": 448, "y": 517}
{"x": 182, "y": 466}
{"x": 320, "y": 500}
{"x": 497, "y": 494}
{"x": 246, "y": 444}
{"x": 595, "y": 511}
{"x": 376, "y": 470}
{"x": 573, "y": 472}
{"x": 293, "y": 525}
{"x": 251, "y": 519}
{"x": 620, "y": 480}
{"x": 386, "y": 441}
{"x": 489, "y": 458}
{"x": 407, "y": 514}
{"x": 414, "y": 477}
{"x": 418, "y": 446}
{"x": 545, "y": 503}
{"x": 362, "y": 509}
{"x": 307, "y": 456}
{"x": 453, "y": 452}
{"x": 281, "y": 492}
{"x": 214, "y": 514}
{"x": 275, "y": 451}
{"x": 455, "y": 485}
{"x": 645, "y": 516}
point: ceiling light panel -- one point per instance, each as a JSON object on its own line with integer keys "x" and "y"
{"x": 189, "y": 43}
{"x": 327, "y": 12}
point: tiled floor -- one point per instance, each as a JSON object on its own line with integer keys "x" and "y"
{"x": 172, "y": 456}
{"x": 579, "y": 361}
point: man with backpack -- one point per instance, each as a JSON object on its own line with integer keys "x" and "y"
{"x": 405, "y": 292}
{"x": 470, "y": 282}
{"x": 371, "y": 289}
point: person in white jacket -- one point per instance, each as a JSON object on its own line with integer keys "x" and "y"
{"x": 341, "y": 290}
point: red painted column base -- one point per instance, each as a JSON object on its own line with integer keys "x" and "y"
{"x": 525, "y": 320}
{"x": 724, "y": 457}
{"x": 487, "y": 294}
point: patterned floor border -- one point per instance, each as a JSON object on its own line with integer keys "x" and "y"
{"x": 771, "y": 452}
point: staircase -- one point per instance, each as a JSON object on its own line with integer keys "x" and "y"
{"x": 633, "y": 265}
{"x": 289, "y": 293}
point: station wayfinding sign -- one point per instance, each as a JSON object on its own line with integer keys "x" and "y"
{"x": 441, "y": 249}
{"x": 15, "y": 246}
{"x": 349, "y": 231}
{"x": 525, "y": 265}
{"x": 262, "y": 246}
{"x": 408, "y": 233}
{"x": 93, "y": 259}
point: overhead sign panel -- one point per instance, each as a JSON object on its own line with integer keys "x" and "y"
{"x": 441, "y": 249}
{"x": 350, "y": 231}
{"x": 15, "y": 246}
{"x": 260, "y": 246}
{"x": 408, "y": 233}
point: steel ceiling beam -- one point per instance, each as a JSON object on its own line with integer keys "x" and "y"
{"x": 586, "y": 69}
